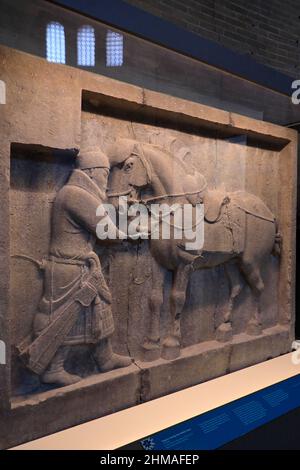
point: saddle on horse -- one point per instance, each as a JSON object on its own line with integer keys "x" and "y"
{"x": 195, "y": 189}
{"x": 214, "y": 201}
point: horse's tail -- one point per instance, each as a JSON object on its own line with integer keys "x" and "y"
{"x": 276, "y": 251}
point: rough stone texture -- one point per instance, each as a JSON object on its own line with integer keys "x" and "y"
{"x": 52, "y": 108}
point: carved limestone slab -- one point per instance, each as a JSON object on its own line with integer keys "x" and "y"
{"x": 89, "y": 327}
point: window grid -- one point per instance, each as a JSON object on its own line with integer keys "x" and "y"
{"x": 114, "y": 49}
{"x": 56, "y": 44}
{"x": 86, "y": 46}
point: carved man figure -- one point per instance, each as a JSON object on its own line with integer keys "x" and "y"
{"x": 68, "y": 282}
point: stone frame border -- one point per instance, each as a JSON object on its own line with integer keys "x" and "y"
{"x": 26, "y": 119}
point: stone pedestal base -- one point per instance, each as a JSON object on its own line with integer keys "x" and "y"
{"x": 58, "y": 409}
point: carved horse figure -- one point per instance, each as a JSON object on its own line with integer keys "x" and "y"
{"x": 140, "y": 168}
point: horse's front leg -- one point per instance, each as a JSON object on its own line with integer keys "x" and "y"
{"x": 171, "y": 345}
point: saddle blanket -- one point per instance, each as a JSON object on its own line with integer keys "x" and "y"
{"x": 227, "y": 235}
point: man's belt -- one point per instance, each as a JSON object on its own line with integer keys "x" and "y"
{"x": 73, "y": 261}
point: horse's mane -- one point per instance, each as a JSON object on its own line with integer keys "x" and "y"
{"x": 179, "y": 163}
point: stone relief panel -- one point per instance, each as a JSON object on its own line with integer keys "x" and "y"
{"x": 93, "y": 327}
{"x": 216, "y": 303}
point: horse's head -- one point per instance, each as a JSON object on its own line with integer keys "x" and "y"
{"x": 136, "y": 166}
{"x": 130, "y": 171}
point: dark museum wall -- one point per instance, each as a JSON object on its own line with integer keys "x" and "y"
{"x": 268, "y": 31}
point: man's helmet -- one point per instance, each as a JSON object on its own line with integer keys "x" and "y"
{"x": 92, "y": 157}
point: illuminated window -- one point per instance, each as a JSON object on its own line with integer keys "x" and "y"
{"x": 56, "y": 43}
{"x": 114, "y": 49}
{"x": 86, "y": 46}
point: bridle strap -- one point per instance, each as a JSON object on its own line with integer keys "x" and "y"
{"x": 124, "y": 193}
{"x": 149, "y": 172}
{"x": 165, "y": 196}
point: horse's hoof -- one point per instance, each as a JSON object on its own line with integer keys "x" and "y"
{"x": 151, "y": 350}
{"x": 254, "y": 328}
{"x": 224, "y": 333}
{"x": 171, "y": 349}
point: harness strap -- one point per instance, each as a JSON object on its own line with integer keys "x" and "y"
{"x": 163, "y": 196}
{"x": 58, "y": 260}
{"x": 124, "y": 193}
{"x": 268, "y": 219}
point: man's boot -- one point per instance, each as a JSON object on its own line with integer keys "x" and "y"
{"x": 106, "y": 359}
{"x": 56, "y": 373}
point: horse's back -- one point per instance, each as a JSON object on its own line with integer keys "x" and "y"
{"x": 246, "y": 225}
{"x": 251, "y": 204}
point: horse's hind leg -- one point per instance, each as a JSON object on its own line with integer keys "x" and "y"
{"x": 224, "y": 331}
{"x": 252, "y": 274}
{"x": 171, "y": 345}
